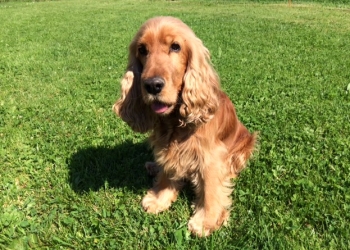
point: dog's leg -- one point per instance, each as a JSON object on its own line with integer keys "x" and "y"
{"x": 241, "y": 150}
{"x": 213, "y": 189}
{"x": 163, "y": 193}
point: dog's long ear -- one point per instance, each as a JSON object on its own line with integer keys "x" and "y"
{"x": 130, "y": 106}
{"x": 201, "y": 85}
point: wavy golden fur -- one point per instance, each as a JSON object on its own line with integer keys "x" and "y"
{"x": 171, "y": 90}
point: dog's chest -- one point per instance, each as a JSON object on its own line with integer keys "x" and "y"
{"x": 177, "y": 152}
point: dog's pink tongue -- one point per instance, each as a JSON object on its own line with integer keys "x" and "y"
{"x": 159, "y": 107}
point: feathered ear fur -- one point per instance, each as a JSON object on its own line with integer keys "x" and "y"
{"x": 130, "y": 106}
{"x": 201, "y": 85}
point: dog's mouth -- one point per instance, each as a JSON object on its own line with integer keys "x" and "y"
{"x": 160, "y": 107}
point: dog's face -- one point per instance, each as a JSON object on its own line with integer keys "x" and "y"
{"x": 162, "y": 51}
{"x": 168, "y": 68}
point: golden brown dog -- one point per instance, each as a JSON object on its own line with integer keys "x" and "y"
{"x": 171, "y": 90}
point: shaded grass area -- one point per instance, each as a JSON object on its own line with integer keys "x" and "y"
{"x": 71, "y": 173}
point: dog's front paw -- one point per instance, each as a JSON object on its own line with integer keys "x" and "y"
{"x": 197, "y": 227}
{"x": 203, "y": 225}
{"x": 152, "y": 204}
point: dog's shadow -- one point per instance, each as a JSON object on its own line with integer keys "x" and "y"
{"x": 95, "y": 168}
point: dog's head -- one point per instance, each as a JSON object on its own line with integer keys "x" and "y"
{"x": 169, "y": 69}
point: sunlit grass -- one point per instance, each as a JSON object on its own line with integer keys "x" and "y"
{"x": 71, "y": 173}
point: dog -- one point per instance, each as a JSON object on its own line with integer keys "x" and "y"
{"x": 171, "y": 90}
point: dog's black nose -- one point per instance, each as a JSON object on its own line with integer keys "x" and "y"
{"x": 154, "y": 85}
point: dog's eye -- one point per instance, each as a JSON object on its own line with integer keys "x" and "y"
{"x": 175, "y": 47}
{"x": 142, "y": 50}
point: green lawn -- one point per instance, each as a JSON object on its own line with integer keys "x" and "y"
{"x": 71, "y": 172}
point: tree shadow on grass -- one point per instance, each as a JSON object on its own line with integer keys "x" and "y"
{"x": 94, "y": 168}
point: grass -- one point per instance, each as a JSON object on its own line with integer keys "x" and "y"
{"x": 71, "y": 173}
